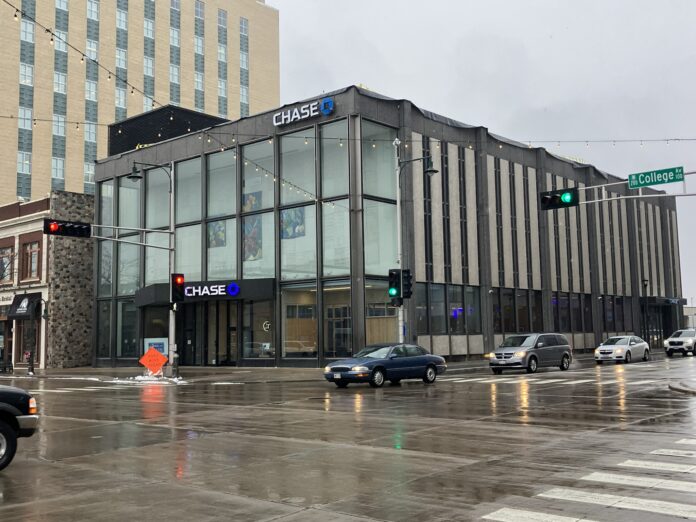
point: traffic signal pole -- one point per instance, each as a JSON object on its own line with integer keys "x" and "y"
{"x": 173, "y": 355}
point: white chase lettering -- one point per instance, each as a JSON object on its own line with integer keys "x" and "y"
{"x": 303, "y": 112}
{"x": 200, "y": 291}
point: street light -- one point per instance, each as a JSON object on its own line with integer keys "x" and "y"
{"x": 136, "y": 174}
{"x": 400, "y": 164}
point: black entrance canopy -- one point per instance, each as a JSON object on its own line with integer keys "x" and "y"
{"x": 23, "y": 306}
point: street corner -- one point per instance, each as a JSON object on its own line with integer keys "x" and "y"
{"x": 688, "y": 387}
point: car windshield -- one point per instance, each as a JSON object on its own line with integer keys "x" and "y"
{"x": 684, "y": 333}
{"x": 518, "y": 340}
{"x": 374, "y": 352}
{"x": 616, "y": 340}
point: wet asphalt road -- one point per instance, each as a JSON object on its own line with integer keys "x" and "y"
{"x": 596, "y": 443}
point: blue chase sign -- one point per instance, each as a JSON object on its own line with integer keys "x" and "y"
{"x": 324, "y": 106}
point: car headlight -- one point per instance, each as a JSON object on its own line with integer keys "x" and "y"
{"x": 596, "y": 351}
{"x": 490, "y": 355}
{"x": 520, "y": 354}
{"x": 689, "y": 342}
{"x": 665, "y": 344}
{"x": 327, "y": 369}
{"x": 618, "y": 351}
{"x": 360, "y": 369}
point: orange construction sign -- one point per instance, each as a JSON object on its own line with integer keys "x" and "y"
{"x": 153, "y": 360}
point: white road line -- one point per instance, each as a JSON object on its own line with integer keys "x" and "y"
{"x": 641, "y": 481}
{"x": 641, "y": 382}
{"x": 602, "y": 383}
{"x": 48, "y": 391}
{"x": 616, "y": 501}
{"x": 549, "y": 381}
{"x": 687, "y": 441}
{"x": 583, "y": 381}
{"x": 658, "y": 466}
{"x": 471, "y": 380}
{"x": 674, "y": 453}
{"x": 522, "y": 515}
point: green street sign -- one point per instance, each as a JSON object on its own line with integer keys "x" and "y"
{"x": 655, "y": 177}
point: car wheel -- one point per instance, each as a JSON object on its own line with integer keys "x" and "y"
{"x": 430, "y": 375}
{"x": 377, "y": 378}
{"x": 670, "y": 353}
{"x": 497, "y": 371}
{"x": 646, "y": 355}
{"x": 599, "y": 362}
{"x": 627, "y": 357}
{"x": 532, "y": 365}
{"x": 395, "y": 382}
{"x": 565, "y": 363}
{"x": 8, "y": 444}
{"x": 341, "y": 384}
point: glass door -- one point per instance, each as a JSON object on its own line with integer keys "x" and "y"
{"x": 222, "y": 333}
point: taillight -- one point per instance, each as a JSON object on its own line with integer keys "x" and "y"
{"x": 32, "y": 406}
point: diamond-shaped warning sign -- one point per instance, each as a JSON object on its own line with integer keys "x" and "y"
{"x": 153, "y": 360}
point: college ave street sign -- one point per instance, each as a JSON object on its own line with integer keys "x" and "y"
{"x": 655, "y": 177}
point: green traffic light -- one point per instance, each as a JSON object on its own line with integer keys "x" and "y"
{"x": 392, "y": 292}
{"x": 567, "y": 197}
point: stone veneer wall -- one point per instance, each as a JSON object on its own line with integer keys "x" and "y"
{"x": 70, "y": 286}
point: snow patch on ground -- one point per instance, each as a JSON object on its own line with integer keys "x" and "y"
{"x": 149, "y": 379}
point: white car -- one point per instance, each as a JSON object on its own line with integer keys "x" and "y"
{"x": 683, "y": 341}
{"x": 622, "y": 349}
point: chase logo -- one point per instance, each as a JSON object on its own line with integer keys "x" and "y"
{"x": 324, "y": 106}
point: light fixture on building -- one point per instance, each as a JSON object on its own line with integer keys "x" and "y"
{"x": 135, "y": 174}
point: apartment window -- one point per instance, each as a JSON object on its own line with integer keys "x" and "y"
{"x": 24, "y": 162}
{"x": 93, "y": 49}
{"x": 30, "y": 260}
{"x": 58, "y": 125}
{"x": 222, "y": 88}
{"x": 198, "y": 79}
{"x": 26, "y": 74}
{"x": 198, "y": 44}
{"x": 25, "y": 118}
{"x": 222, "y": 18}
{"x": 59, "y": 80}
{"x": 62, "y": 4}
{"x": 244, "y": 94}
{"x": 244, "y": 26}
{"x": 58, "y": 168}
{"x": 222, "y": 53}
{"x": 244, "y": 60}
{"x": 122, "y": 19}
{"x": 61, "y": 41}
{"x": 90, "y": 90}
{"x": 149, "y": 26}
{"x": 200, "y": 9}
{"x": 93, "y": 10}
{"x": 120, "y": 98}
{"x": 89, "y": 173}
{"x": 91, "y": 132}
{"x": 121, "y": 58}
{"x": 174, "y": 73}
{"x": 174, "y": 37}
{"x": 147, "y": 103}
{"x": 6, "y": 263}
{"x": 148, "y": 66}
{"x": 27, "y": 31}
{"x": 175, "y": 5}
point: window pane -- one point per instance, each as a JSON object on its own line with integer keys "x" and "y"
{"x": 188, "y": 252}
{"x": 609, "y": 325}
{"x": 299, "y": 321}
{"x": 619, "y": 314}
{"x": 334, "y": 158}
{"x": 336, "y": 232}
{"x": 438, "y": 322}
{"x": 554, "y": 311}
{"x": 156, "y": 322}
{"x": 106, "y": 207}
{"x": 456, "y": 317}
{"x": 587, "y": 307}
{"x": 106, "y": 252}
{"x": 222, "y": 183}
{"x": 381, "y": 321}
{"x": 129, "y": 203}
{"x": 156, "y": 259}
{"x": 575, "y": 313}
{"x": 628, "y": 314}
{"x": 222, "y": 250}
{"x": 378, "y": 160}
{"x": 156, "y": 198}
{"x": 508, "y": 310}
{"x": 126, "y": 331}
{"x": 188, "y": 191}
{"x": 472, "y": 302}
{"x": 297, "y": 167}
{"x": 523, "y": 325}
{"x": 258, "y": 330}
{"x": 379, "y": 224}
{"x": 422, "y": 309}
{"x": 537, "y": 312}
{"x": 298, "y": 241}
{"x": 497, "y": 311}
{"x": 257, "y": 176}
{"x": 104, "y": 329}
{"x": 338, "y": 321}
{"x": 128, "y": 267}
{"x": 564, "y": 312}
{"x": 258, "y": 246}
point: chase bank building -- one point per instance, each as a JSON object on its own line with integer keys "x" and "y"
{"x": 286, "y": 228}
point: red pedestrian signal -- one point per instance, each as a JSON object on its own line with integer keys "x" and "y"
{"x": 57, "y": 227}
{"x": 177, "y": 288}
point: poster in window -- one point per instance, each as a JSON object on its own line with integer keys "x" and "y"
{"x": 292, "y": 223}
{"x": 253, "y": 238}
{"x": 252, "y": 201}
{"x": 217, "y": 234}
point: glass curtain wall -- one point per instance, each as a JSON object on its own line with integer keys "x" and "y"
{"x": 299, "y": 315}
{"x": 298, "y": 243}
{"x": 258, "y": 176}
{"x": 338, "y": 324}
{"x": 381, "y": 319}
{"x": 334, "y": 158}
{"x": 297, "y": 152}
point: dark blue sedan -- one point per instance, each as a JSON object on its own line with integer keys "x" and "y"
{"x": 386, "y": 362}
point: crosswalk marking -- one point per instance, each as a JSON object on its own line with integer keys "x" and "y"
{"x": 640, "y": 481}
{"x": 635, "y": 503}
{"x": 522, "y": 515}
{"x": 658, "y": 466}
{"x": 687, "y": 441}
{"x": 674, "y": 453}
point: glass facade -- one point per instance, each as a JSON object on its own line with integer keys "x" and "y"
{"x": 298, "y": 241}
{"x": 222, "y": 183}
{"x": 337, "y": 317}
{"x": 380, "y": 241}
{"x": 222, "y": 249}
{"x": 299, "y": 315}
{"x": 297, "y": 152}
{"x": 188, "y": 191}
{"x": 378, "y": 160}
{"x": 336, "y": 238}
{"x": 334, "y": 159}
{"x": 258, "y": 176}
{"x": 258, "y": 255}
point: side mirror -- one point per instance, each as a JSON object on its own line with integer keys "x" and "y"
{"x": 539, "y": 345}
{"x": 393, "y": 356}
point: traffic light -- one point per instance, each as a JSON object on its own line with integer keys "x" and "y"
{"x": 406, "y": 283}
{"x": 177, "y": 288}
{"x": 56, "y": 227}
{"x": 563, "y": 198}
{"x": 394, "y": 288}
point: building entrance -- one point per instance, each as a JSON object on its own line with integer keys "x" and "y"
{"x": 208, "y": 333}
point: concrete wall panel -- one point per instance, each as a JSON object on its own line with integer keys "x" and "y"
{"x": 455, "y": 221}
{"x": 534, "y": 224}
{"x": 490, "y": 178}
{"x": 418, "y": 209}
{"x": 437, "y": 228}
{"x": 521, "y": 227}
{"x": 472, "y": 217}
{"x": 508, "y": 280}
{"x": 475, "y": 344}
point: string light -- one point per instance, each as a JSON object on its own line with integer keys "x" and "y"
{"x": 16, "y": 16}
{"x": 109, "y": 77}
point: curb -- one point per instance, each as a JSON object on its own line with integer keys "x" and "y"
{"x": 682, "y": 388}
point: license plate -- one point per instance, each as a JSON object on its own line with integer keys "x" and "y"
{"x": 337, "y": 375}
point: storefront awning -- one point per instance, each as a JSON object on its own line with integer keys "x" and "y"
{"x": 23, "y": 306}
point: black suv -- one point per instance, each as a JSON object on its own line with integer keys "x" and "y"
{"x": 18, "y": 418}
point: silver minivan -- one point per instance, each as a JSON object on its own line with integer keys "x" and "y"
{"x": 531, "y": 351}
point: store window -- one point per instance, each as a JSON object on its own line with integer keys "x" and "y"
{"x": 222, "y": 249}
{"x": 381, "y": 319}
{"x": 6, "y": 265}
{"x": 378, "y": 160}
{"x": 258, "y": 176}
{"x": 258, "y": 328}
{"x": 334, "y": 158}
{"x": 188, "y": 252}
{"x": 106, "y": 257}
{"x": 297, "y": 167}
{"x": 126, "y": 330}
{"x": 438, "y": 314}
{"x": 104, "y": 329}
{"x": 298, "y": 243}
{"x": 336, "y": 237}
{"x": 30, "y": 260}
{"x": 156, "y": 259}
{"x": 258, "y": 246}
{"x": 156, "y": 322}
{"x": 222, "y": 183}
{"x": 188, "y": 191}
{"x": 128, "y": 202}
{"x": 338, "y": 321}
{"x": 299, "y": 313}
{"x": 422, "y": 309}
{"x": 457, "y": 315}
{"x": 472, "y": 303}
{"x": 523, "y": 325}
{"x": 380, "y": 241}
{"x": 128, "y": 268}
{"x": 156, "y": 198}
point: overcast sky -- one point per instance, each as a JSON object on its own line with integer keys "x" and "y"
{"x": 529, "y": 70}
